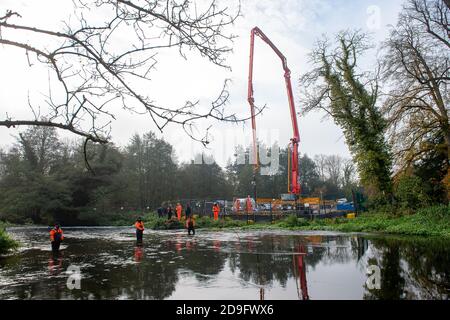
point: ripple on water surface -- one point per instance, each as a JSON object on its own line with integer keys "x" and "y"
{"x": 222, "y": 265}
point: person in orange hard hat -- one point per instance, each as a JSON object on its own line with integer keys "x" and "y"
{"x": 139, "y": 225}
{"x": 216, "y": 211}
{"x": 178, "y": 209}
{"x": 56, "y": 237}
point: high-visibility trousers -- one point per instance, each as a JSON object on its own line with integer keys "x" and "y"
{"x": 216, "y": 215}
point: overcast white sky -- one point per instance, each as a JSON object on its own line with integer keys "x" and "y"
{"x": 293, "y": 25}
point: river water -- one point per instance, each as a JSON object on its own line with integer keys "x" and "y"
{"x": 108, "y": 264}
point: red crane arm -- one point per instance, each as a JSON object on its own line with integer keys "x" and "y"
{"x": 295, "y": 186}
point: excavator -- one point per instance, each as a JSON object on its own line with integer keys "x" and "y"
{"x": 294, "y": 188}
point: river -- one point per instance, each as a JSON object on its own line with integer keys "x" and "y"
{"x": 108, "y": 264}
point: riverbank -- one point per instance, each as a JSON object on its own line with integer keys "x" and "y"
{"x": 433, "y": 221}
{"x": 6, "y": 242}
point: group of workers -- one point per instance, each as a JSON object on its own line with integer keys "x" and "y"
{"x": 169, "y": 212}
{"x": 56, "y": 234}
{"x": 248, "y": 205}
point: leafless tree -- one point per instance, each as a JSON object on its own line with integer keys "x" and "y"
{"x": 417, "y": 69}
{"x": 349, "y": 176}
{"x": 94, "y": 72}
{"x": 333, "y": 167}
{"x": 321, "y": 161}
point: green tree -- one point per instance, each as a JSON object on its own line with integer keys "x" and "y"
{"x": 150, "y": 170}
{"x": 309, "y": 176}
{"x": 271, "y": 178}
{"x": 32, "y": 186}
{"x": 350, "y": 96}
{"x": 203, "y": 179}
{"x": 410, "y": 192}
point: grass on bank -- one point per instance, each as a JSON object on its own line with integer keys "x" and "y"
{"x": 431, "y": 221}
{"x": 6, "y": 243}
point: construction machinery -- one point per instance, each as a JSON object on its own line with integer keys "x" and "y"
{"x": 293, "y": 176}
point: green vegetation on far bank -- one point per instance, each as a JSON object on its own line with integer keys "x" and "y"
{"x": 6, "y": 243}
{"x": 431, "y": 221}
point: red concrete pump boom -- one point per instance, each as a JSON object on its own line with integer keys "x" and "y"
{"x": 294, "y": 187}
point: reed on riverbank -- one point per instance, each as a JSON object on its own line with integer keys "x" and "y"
{"x": 6, "y": 243}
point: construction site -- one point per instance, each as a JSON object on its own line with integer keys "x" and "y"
{"x": 253, "y": 208}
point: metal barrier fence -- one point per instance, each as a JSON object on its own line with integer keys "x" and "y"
{"x": 269, "y": 216}
{"x": 203, "y": 208}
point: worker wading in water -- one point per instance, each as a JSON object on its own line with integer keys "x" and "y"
{"x": 190, "y": 225}
{"x": 216, "y": 211}
{"x": 139, "y": 229}
{"x": 56, "y": 237}
{"x": 179, "y": 208}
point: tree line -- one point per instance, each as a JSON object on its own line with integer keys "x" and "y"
{"x": 44, "y": 178}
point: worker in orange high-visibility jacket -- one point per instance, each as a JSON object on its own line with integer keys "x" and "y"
{"x": 237, "y": 205}
{"x": 139, "y": 225}
{"x": 216, "y": 211}
{"x": 56, "y": 236}
{"x": 179, "y": 208}
{"x": 248, "y": 205}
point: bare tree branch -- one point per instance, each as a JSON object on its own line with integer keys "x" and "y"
{"x": 94, "y": 72}
{"x": 416, "y": 68}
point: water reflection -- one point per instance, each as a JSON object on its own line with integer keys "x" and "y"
{"x": 411, "y": 270}
{"x": 300, "y": 271}
{"x": 55, "y": 263}
{"x": 221, "y": 265}
{"x": 138, "y": 252}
